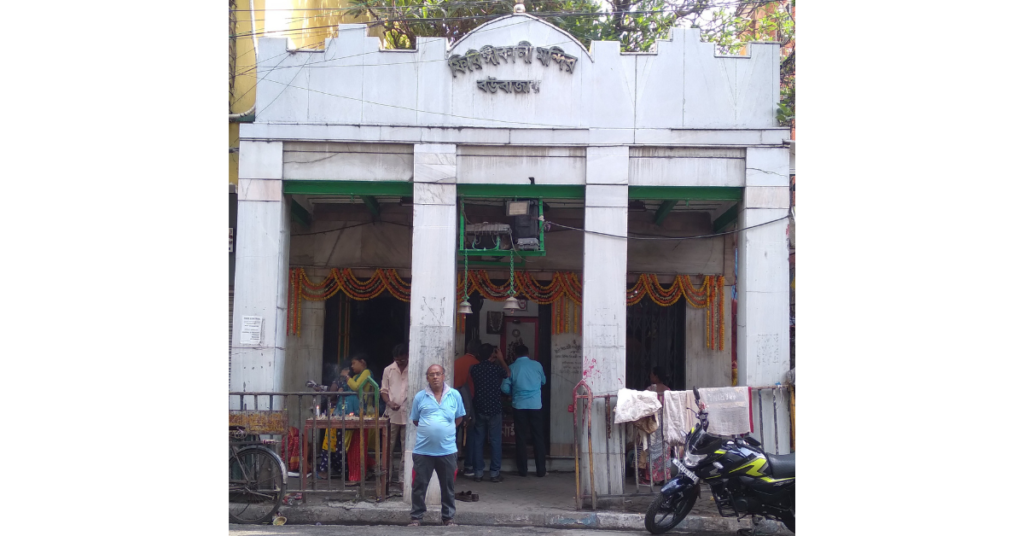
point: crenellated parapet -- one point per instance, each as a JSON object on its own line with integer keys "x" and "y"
{"x": 518, "y": 72}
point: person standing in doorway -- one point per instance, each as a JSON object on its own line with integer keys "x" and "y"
{"x": 435, "y": 412}
{"x": 463, "y": 382}
{"x": 356, "y": 379}
{"x": 488, "y": 377}
{"x": 658, "y": 377}
{"x": 393, "y": 391}
{"x": 526, "y": 378}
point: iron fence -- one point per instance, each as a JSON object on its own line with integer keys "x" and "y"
{"x": 584, "y": 415}
{"x": 297, "y": 423}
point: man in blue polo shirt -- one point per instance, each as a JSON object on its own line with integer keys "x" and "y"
{"x": 526, "y": 378}
{"x": 435, "y": 412}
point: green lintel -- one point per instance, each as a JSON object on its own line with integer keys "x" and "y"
{"x": 494, "y": 263}
{"x": 372, "y": 204}
{"x": 527, "y": 191}
{"x": 663, "y": 210}
{"x": 693, "y": 193}
{"x": 360, "y": 188}
{"x": 500, "y": 253}
{"x": 300, "y": 214}
{"x": 727, "y": 217}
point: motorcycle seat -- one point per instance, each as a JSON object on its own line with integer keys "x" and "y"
{"x": 782, "y": 466}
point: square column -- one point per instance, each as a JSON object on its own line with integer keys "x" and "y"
{"x": 604, "y": 304}
{"x": 432, "y": 302}
{"x": 762, "y": 286}
{"x": 261, "y": 272}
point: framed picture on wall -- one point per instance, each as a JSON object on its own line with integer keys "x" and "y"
{"x": 494, "y": 321}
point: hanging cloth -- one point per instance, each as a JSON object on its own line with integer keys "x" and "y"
{"x": 635, "y": 405}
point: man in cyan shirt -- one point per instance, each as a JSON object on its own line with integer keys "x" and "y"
{"x": 527, "y": 376}
{"x": 435, "y": 412}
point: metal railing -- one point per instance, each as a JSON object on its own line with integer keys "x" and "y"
{"x": 778, "y": 393}
{"x": 273, "y": 414}
{"x": 584, "y": 415}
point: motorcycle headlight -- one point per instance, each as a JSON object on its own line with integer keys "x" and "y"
{"x": 691, "y": 460}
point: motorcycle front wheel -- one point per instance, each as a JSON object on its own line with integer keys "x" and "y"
{"x": 666, "y": 512}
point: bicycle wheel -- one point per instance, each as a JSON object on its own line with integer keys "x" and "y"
{"x": 256, "y": 485}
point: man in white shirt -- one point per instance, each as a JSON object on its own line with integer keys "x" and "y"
{"x": 394, "y": 391}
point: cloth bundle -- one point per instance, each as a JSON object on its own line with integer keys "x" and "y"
{"x": 641, "y": 409}
{"x": 635, "y": 405}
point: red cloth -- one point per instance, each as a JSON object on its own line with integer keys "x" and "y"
{"x": 462, "y": 377}
{"x": 292, "y": 449}
{"x": 356, "y": 448}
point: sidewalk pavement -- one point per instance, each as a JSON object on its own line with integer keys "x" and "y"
{"x": 520, "y": 501}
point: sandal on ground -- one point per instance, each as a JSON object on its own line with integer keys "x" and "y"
{"x": 466, "y": 496}
{"x": 449, "y": 523}
{"x": 414, "y": 523}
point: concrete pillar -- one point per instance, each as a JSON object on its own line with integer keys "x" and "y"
{"x": 762, "y": 285}
{"x": 261, "y": 270}
{"x": 305, "y": 353}
{"x": 432, "y": 303}
{"x": 604, "y": 304}
{"x": 708, "y": 367}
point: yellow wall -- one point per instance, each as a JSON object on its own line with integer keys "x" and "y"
{"x": 309, "y": 23}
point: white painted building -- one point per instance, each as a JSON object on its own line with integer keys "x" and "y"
{"x": 376, "y": 147}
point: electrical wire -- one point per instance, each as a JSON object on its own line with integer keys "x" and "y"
{"x": 352, "y": 226}
{"x": 363, "y": 101}
{"x": 339, "y": 58}
{"x": 439, "y": 4}
{"x": 538, "y": 14}
{"x": 272, "y": 101}
{"x": 627, "y": 237}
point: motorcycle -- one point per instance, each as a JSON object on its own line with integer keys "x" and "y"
{"x": 744, "y": 479}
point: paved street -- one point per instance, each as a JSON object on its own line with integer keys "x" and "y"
{"x": 433, "y": 530}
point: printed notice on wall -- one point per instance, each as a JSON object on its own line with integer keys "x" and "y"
{"x": 567, "y": 359}
{"x": 252, "y": 330}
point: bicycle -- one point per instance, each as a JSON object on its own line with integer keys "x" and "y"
{"x": 256, "y": 479}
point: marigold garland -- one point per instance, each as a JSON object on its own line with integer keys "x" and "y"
{"x": 564, "y": 292}
{"x": 301, "y": 288}
{"x": 564, "y": 316}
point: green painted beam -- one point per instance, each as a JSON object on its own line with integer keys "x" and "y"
{"x": 663, "y": 210}
{"x": 495, "y": 263}
{"x": 360, "y": 188}
{"x": 300, "y": 214}
{"x": 693, "y": 193}
{"x": 727, "y": 217}
{"x": 499, "y": 253}
{"x": 546, "y": 191}
{"x": 372, "y": 204}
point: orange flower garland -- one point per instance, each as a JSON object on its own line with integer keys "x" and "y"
{"x": 564, "y": 292}
{"x": 301, "y": 288}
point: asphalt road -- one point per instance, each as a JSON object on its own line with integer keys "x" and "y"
{"x": 432, "y": 530}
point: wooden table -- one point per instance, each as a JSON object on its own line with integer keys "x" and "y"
{"x": 368, "y": 426}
